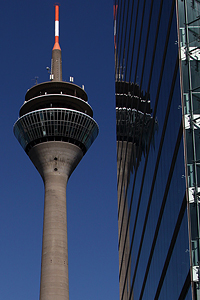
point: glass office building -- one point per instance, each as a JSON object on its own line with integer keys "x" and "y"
{"x": 157, "y": 54}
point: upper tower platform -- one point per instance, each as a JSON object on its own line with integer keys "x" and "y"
{"x": 56, "y": 94}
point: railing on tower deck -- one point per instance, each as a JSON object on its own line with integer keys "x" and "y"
{"x": 56, "y": 124}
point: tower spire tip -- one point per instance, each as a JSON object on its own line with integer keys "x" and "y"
{"x": 56, "y": 45}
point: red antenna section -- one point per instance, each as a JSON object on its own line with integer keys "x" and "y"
{"x": 56, "y": 45}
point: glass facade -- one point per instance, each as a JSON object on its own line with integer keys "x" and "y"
{"x": 157, "y": 80}
{"x": 189, "y": 53}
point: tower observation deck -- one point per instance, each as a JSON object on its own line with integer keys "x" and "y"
{"x": 55, "y": 128}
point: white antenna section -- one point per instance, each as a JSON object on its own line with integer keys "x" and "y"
{"x": 71, "y": 79}
{"x": 83, "y": 86}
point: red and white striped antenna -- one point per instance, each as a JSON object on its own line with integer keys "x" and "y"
{"x": 56, "y": 61}
{"x": 56, "y": 45}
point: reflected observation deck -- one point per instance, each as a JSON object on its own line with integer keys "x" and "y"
{"x": 133, "y": 118}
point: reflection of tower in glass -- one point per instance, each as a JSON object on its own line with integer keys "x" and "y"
{"x": 55, "y": 129}
{"x": 133, "y": 115}
{"x": 134, "y": 122}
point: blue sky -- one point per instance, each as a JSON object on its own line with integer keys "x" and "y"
{"x": 86, "y": 39}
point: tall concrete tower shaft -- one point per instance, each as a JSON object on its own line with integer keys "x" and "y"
{"x": 55, "y": 128}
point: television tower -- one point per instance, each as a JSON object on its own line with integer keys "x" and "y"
{"x": 55, "y": 128}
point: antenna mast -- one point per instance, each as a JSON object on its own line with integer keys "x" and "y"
{"x": 56, "y": 61}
